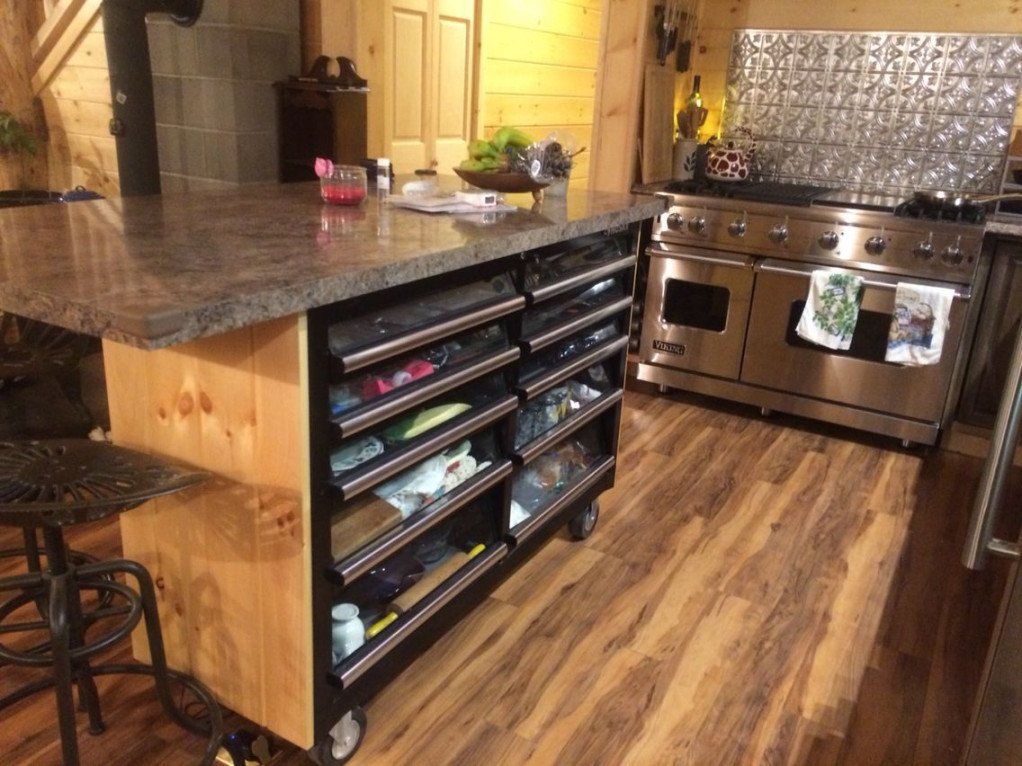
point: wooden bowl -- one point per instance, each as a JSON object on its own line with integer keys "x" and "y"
{"x": 510, "y": 183}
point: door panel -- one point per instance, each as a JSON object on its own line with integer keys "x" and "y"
{"x": 697, "y": 311}
{"x": 775, "y": 357}
{"x": 454, "y": 57}
{"x": 408, "y": 91}
{"x": 429, "y": 90}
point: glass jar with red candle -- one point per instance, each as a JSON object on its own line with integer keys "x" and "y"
{"x": 343, "y": 185}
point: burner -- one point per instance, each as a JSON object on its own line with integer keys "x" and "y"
{"x": 703, "y": 187}
{"x": 781, "y": 193}
{"x": 967, "y": 212}
{"x": 758, "y": 191}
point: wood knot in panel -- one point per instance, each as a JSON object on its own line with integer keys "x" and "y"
{"x": 185, "y": 404}
{"x": 205, "y": 402}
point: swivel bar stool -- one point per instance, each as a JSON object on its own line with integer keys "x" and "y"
{"x": 38, "y": 362}
{"x": 47, "y": 485}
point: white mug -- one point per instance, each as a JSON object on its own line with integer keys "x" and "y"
{"x": 348, "y": 633}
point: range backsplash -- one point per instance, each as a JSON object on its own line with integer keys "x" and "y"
{"x": 876, "y": 112}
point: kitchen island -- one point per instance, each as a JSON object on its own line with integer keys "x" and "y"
{"x": 215, "y": 311}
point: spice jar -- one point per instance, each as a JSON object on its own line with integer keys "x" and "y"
{"x": 343, "y": 185}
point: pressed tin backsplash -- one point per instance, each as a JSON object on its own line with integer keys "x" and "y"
{"x": 887, "y": 112}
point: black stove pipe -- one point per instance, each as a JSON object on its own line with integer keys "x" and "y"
{"x": 133, "y": 124}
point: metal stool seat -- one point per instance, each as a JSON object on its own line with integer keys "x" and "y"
{"x": 50, "y": 484}
{"x": 29, "y": 348}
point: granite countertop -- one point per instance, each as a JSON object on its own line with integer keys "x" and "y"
{"x": 155, "y": 271}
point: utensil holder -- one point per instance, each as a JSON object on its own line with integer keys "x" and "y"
{"x": 684, "y": 159}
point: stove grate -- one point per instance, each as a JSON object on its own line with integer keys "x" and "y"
{"x": 775, "y": 192}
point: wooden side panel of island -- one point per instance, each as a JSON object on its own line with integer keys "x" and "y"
{"x": 231, "y": 559}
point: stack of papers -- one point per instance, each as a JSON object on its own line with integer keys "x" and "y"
{"x": 446, "y": 203}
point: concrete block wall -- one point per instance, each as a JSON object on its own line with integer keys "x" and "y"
{"x": 216, "y": 116}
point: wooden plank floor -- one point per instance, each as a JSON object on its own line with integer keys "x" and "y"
{"x": 756, "y": 592}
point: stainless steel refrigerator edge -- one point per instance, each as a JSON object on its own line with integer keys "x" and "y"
{"x": 995, "y": 732}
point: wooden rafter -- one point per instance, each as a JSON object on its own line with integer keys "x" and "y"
{"x": 58, "y": 36}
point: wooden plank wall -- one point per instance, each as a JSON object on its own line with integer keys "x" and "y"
{"x": 329, "y": 28}
{"x": 539, "y": 60}
{"x": 78, "y": 110}
{"x": 718, "y": 20}
{"x": 231, "y": 559}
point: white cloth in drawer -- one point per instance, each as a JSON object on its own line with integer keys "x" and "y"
{"x": 831, "y": 310}
{"x": 920, "y": 320}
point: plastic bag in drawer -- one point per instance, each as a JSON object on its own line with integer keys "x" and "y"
{"x": 549, "y": 473}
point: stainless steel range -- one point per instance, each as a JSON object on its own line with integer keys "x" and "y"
{"x": 728, "y": 278}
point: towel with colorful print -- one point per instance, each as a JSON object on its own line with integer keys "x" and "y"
{"x": 831, "y": 310}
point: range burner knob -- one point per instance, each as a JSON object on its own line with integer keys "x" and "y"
{"x": 876, "y": 245}
{"x": 952, "y": 255}
{"x": 697, "y": 224}
{"x": 924, "y": 250}
{"x": 829, "y": 239}
{"x": 675, "y": 221}
{"x": 778, "y": 233}
{"x": 737, "y": 228}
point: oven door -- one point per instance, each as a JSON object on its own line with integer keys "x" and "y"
{"x": 697, "y": 310}
{"x": 777, "y": 358}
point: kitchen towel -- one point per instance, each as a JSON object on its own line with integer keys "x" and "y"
{"x": 831, "y": 310}
{"x": 918, "y": 324}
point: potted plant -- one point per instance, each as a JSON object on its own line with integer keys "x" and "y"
{"x": 20, "y": 163}
{"x": 15, "y": 136}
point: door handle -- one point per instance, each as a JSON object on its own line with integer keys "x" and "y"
{"x": 961, "y": 293}
{"x": 979, "y": 541}
{"x": 736, "y": 262}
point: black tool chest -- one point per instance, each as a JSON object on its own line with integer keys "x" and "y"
{"x": 455, "y": 424}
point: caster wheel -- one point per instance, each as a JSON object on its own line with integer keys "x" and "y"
{"x": 766, "y": 412}
{"x": 343, "y": 740}
{"x": 664, "y": 389}
{"x": 584, "y": 523}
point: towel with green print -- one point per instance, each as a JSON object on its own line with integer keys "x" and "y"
{"x": 831, "y": 310}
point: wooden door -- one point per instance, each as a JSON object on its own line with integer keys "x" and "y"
{"x": 455, "y": 58}
{"x": 408, "y": 83}
{"x": 428, "y": 82}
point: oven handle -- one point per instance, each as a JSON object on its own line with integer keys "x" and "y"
{"x": 722, "y": 259}
{"x": 962, "y": 293}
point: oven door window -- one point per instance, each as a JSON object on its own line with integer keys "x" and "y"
{"x": 869, "y": 342}
{"x": 694, "y": 304}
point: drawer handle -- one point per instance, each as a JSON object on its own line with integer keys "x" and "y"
{"x": 357, "y": 564}
{"x": 587, "y": 414}
{"x": 362, "y": 660}
{"x": 366, "y": 417}
{"x": 592, "y": 275}
{"x": 385, "y": 349}
{"x": 538, "y": 385}
{"x": 528, "y": 527}
{"x": 537, "y": 342}
{"x": 406, "y": 458}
